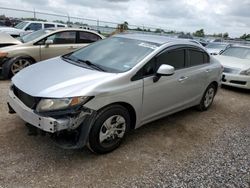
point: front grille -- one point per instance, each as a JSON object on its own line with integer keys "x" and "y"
{"x": 231, "y": 70}
{"x": 28, "y": 100}
{"x": 238, "y": 82}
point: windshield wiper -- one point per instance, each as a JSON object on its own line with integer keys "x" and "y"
{"x": 66, "y": 57}
{"x": 89, "y": 63}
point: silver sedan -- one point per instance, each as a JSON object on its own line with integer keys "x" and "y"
{"x": 95, "y": 95}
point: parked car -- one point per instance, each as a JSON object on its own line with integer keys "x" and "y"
{"x": 41, "y": 45}
{"x": 26, "y": 27}
{"x": 215, "y": 48}
{"x": 203, "y": 41}
{"x": 100, "y": 92}
{"x": 7, "y": 40}
{"x": 236, "y": 62}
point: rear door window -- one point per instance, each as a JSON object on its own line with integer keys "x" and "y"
{"x": 197, "y": 57}
{"x": 49, "y": 25}
{"x": 60, "y": 25}
{"x": 87, "y": 37}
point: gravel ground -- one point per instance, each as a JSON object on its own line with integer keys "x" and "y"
{"x": 187, "y": 149}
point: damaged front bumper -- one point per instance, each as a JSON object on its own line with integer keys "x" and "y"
{"x": 47, "y": 123}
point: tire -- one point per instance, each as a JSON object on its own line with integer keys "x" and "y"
{"x": 207, "y": 98}
{"x": 14, "y": 65}
{"x": 110, "y": 127}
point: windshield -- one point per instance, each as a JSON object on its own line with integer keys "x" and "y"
{"x": 34, "y": 35}
{"x": 216, "y": 46}
{"x": 239, "y": 52}
{"x": 115, "y": 54}
{"x": 21, "y": 25}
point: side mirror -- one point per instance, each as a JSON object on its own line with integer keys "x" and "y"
{"x": 163, "y": 70}
{"x": 48, "y": 42}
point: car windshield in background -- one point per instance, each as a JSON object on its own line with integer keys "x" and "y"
{"x": 239, "y": 52}
{"x": 21, "y": 25}
{"x": 216, "y": 46}
{"x": 34, "y": 35}
{"x": 115, "y": 54}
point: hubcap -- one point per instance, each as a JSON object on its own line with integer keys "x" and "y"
{"x": 112, "y": 130}
{"x": 209, "y": 97}
{"x": 19, "y": 65}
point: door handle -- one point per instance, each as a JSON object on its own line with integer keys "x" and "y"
{"x": 208, "y": 70}
{"x": 181, "y": 79}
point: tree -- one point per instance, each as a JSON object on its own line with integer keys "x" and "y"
{"x": 159, "y": 30}
{"x": 245, "y": 36}
{"x": 225, "y": 35}
{"x": 199, "y": 33}
{"x": 138, "y": 29}
{"x": 125, "y": 25}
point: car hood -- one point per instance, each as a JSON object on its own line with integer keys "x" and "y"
{"x": 233, "y": 62}
{"x": 7, "y": 39}
{"x": 11, "y": 30}
{"x": 55, "y": 78}
{"x": 213, "y": 50}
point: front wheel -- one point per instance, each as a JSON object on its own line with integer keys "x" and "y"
{"x": 207, "y": 98}
{"x": 19, "y": 64}
{"x": 109, "y": 129}
{"x": 14, "y": 65}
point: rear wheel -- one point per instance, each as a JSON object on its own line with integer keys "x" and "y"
{"x": 207, "y": 98}
{"x": 109, "y": 129}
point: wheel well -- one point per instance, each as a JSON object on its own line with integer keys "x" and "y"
{"x": 215, "y": 84}
{"x": 130, "y": 109}
{"x": 6, "y": 65}
{"x": 28, "y": 57}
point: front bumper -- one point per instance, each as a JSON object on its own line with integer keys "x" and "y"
{"x": 48, "y": 124}
{"x": 236, "y": 80}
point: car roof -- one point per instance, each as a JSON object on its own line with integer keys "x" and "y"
{"x": 75, "y": 29}
{"x": 241, "y": 45}
{"x": 226, "y": 43}
{"x": 55, "y": 30}
{"x": 31, "y": 21}
{"x": 158, "y": 39}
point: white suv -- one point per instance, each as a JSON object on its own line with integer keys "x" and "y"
{"x": 26, "y": 27}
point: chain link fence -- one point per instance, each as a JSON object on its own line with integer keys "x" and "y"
{"x": 104, "y": 27}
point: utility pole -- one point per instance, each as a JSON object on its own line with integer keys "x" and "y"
{"x": 97, "y": 25}
{"x": 34, "y": 14}
{"x": 68, "y": 19}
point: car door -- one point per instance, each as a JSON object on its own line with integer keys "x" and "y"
{"x": 170, "y": 93}
{"x": 62, "y": 42}
{"x": 197, "y": 71}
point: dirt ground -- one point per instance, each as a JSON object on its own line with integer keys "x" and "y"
{"x": 187, "y": 149}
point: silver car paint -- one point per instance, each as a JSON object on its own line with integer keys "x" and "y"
{"x": 149, "y": 100}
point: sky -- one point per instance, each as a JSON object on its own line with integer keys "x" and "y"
{"x": 214, "y": 16}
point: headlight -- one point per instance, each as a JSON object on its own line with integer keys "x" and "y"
{"x": 245, "y": 72}
{"x": 3, "y": 54}
{"x": 60, "y": 104}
